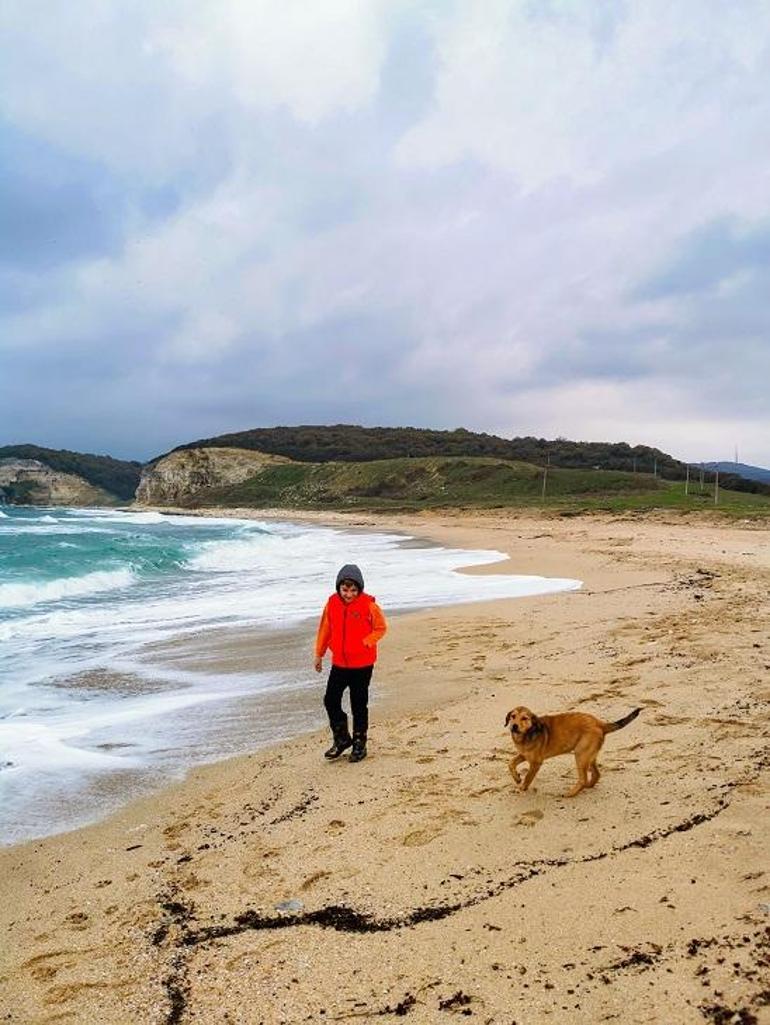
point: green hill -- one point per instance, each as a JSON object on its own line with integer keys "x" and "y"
{"x": 353, "y": 443}
{"x": 445, "y": 482}
{"x": 118, "y": 477}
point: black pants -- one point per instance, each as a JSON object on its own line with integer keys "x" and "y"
{"x": 358, "y": 681}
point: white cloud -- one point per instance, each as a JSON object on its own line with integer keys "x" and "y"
{"x": 639, "y": 413}
{"x": 138, "y": 86}
{"x": 573, "y": 92}
{"x": 311, "y": 59}
{"x": 487, "y": 238}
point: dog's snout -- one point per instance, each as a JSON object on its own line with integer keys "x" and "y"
{"x": 514, "y": 728}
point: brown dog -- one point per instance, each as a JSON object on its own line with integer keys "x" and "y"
{"x": 539, "y": 737}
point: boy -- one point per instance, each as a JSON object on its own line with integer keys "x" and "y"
{"x": 351, "y": 624}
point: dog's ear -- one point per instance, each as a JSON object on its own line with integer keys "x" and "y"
{"x": 536, "y": 728}
{"x": 508, "y": 716}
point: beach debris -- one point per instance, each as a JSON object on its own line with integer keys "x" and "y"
{"x": 289, "y": 906}
{"x": 459, "y": 999}
{"x": 403, "y": 1007}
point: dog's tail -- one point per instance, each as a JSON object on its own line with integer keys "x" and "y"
{"x": 610, "y": 727}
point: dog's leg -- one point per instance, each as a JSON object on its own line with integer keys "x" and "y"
{"x": 532, "y": 771}
{"x": 513, "y": 767}
{"x": 585, "y": 761}
{"x": 581, "y": 784}
{"x": 593, "y": 769}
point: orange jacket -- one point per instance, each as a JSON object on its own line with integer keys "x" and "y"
{"x": 351, "y": 631}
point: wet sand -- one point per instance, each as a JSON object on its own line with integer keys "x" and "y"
{"x": 278, "y": 888}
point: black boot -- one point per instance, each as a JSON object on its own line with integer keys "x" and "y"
{"x": 341, "y": 740}
{"x": 358, "y": 753}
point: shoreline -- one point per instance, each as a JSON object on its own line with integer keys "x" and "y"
{"x": 670, "y": 618}
{"x": 255, "y": 724}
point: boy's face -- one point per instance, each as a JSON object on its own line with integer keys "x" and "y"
{"x": 349, "y": 591}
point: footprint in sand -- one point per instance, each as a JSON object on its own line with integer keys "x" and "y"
{"x": 41, "y": 967}
{"x": 529, "y": 818}
{"x": 662, "y": 719}
{"x": 174, "y": 830}
{"x": 482, "y": 791}
{"x": 420, "y": 837}
{"x": 77, "y": 920}
{"x": 314, "y": 878}
{"x": 71, "y": 991}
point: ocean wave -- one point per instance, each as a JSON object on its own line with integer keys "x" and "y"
{"x": 29, "y": 741}
{"x": 36, "y": 745}
{"x": 224, "y": 556}
{"x": 21, "y": 595}
{"x": 138, "y": 517}
{"x": 26, "y": 526}
{"x": 271, "y": 554}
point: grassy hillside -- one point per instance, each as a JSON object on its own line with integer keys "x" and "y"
{"x": 353, "y": 443}
{"x": 118, "y": 477}
{"x": 432, "y": 483}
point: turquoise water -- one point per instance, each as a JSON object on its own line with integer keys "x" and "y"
{"x": 60, "y": 554}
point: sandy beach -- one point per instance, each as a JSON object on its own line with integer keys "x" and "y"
{"x": 277, "y": 888}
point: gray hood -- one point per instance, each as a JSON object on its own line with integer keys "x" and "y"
{"x": 350, "y": 572}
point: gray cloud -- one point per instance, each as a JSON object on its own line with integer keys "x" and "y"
{"x": 708, "y": 257}
{"x": 55, "y": 208}
{"x": 523, "y": 218}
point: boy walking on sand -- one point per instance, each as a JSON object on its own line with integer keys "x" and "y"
{"x": 351, "y": 624}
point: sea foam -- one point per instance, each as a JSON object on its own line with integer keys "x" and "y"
{"x": 22, "y": 595}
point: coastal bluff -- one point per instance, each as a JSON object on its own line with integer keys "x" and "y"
{"x": 30, "y": 482}
{"x": 176, "y": 478}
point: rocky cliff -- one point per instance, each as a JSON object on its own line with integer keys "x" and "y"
{"x": 30, "y": 482}
{"x": 176, "y": 478}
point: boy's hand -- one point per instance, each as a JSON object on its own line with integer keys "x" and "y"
{"x": 318, "y": 665}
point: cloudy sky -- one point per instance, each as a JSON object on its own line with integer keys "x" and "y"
{"x": 545, "y": 217}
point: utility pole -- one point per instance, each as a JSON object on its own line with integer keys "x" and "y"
{"x": 716, "y": 489}
{"x": 687, "y": 481}
{"x": 655, "y": 467}
{"x": 545, "y": 475}
{"x": 701, "y": 478}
